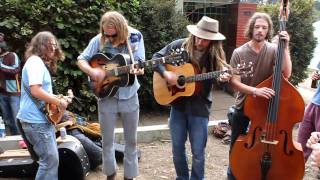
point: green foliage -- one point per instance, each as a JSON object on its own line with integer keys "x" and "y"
{"x": 316, "y": 10}
{"x": 302, "y": 41}
{"x": 75, "y": 22}
{"x": 160, "y": 24}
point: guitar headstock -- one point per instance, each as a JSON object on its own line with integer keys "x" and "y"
{"x": 177, "y": 56}
{"x": 243, "y": 69}
{"x": 70, "y": 96}
{"x": 70, "y": 93}
{"x": 284, "y": 10}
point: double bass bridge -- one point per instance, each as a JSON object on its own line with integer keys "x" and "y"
{"x": 273, "y": 142}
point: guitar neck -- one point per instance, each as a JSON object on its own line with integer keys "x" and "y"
{"x": 126, "y": 69}
{"x": 205, "y": 76}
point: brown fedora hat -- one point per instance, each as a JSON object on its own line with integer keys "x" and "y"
{"x": 206, "y": 28}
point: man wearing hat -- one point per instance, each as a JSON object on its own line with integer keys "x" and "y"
{"x": 190, "y": 115}
{"x": 9, "y": 86}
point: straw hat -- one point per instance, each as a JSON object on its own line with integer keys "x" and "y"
{"x": 206, "y": 28}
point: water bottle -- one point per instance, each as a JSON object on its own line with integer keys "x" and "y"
{"x": 2, "y": 128}
{"x": 63, "y": 132}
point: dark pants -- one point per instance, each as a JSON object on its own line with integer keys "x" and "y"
{"x": 239, "y": 126}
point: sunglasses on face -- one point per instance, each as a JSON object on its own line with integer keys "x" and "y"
{"x": 110, "y": 35}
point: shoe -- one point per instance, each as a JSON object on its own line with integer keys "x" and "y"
{"x": 127, "y": 178}
{"x": 22, "y": 144}
{"x": 112, "y": 177}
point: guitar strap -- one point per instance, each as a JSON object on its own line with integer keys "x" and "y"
{"x": 36, "y": 102}
{"x": 130, "y": 51}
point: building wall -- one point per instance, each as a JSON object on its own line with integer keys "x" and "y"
{"x": 245, "y": 11}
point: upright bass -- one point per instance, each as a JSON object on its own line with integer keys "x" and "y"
{"x": 267, "y": 151}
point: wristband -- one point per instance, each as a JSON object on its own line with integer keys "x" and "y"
{"x": 254, "y": 92}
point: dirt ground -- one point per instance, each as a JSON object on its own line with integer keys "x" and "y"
{"x": 156, "y": 162}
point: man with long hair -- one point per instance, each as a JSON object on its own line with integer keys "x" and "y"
{"x": 41, "y": 56}
{"x": 10, "y": 68}
{"x": 190, "y": 115}
{"x": 116, "y": 36}
{"x": 262, "y": 54}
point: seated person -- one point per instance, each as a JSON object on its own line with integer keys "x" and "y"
{"x": 87, "y": 133}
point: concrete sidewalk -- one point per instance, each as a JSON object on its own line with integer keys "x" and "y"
{"x": 155, "y": 127}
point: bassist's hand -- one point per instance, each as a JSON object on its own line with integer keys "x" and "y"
{"x": 264, "y": 92}
{"x": 171, "y": 77}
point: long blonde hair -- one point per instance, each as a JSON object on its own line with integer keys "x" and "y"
{"x": 216, "y": 52}
{"x": 39, "y": 46}
{"x": 119, "y": 22}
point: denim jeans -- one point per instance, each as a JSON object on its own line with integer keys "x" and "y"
{"x": 110, "y": 109}
{"x": 42, "y": 137}
{"x": 182, "y": 125}
{"x": 93, "y": 151}
{"x": 9, "y": 108}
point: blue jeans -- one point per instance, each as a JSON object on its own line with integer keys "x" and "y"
{"x": 181, "y": 125}
{"x": 110, "y": 109}
{"x": 42, "y": 137}
{"x": 9, "y": 108}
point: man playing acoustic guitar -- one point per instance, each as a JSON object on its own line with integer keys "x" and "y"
{"x": 190, "y": 115}
{"x": 116, "y": 37}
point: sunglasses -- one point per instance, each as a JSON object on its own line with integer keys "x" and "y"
{"x": 110, "y": 35}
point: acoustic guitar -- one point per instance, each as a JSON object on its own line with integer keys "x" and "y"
{"x": 53, "y": 112}
{"x": 186, "y": 85}
{"x": 118, "y": 70}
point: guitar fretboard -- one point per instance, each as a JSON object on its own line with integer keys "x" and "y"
{"x": 205, "y": 76}
{"x": 126, "y": 69}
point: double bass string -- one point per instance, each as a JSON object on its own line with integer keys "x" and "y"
{"x": 272, "y": 117}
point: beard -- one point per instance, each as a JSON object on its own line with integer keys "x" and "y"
{"x": 259, "y": 37}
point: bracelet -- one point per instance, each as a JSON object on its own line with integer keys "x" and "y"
{"x": 254, "y": 92}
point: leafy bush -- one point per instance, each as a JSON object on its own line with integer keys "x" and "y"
{"x": 300, "y": 29}
{"x": 75, "y": 22}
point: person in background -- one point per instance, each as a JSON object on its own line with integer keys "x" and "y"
{"x": 314, "y": 145}
{"x": 190, "y": 115}
{"x": 311, "y": 118}
{"x": 10, "y": 68}
{"x": 41, "y": 56}
{"x": 262, "y": 53}
{"x": 116, "y": 36}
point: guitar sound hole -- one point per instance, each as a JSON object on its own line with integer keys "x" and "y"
{"x": 181, "y": 81}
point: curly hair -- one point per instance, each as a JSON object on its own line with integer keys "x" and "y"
{"x": 39, "y": 46}
{"x": 252, "y": 21}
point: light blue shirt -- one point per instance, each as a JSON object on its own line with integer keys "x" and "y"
{"x": 34, "y": 72}
{"x": 316, "y": 97}
{"x": 137, "y": 46}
